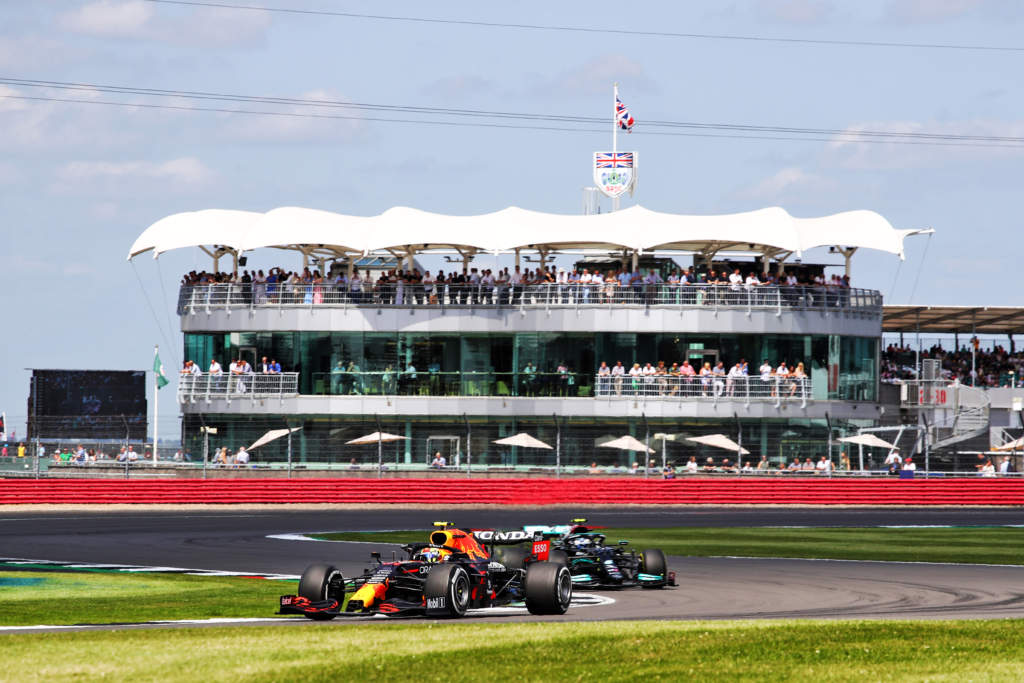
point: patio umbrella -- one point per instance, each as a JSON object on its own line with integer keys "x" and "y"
{"x": 271, "y": 435}
{"x": 1014, "y": 445}
{"x": 379, "y": 438}
{"x": 626, "y": 443}
{"x": 376, "y": 437}
{"x": 719, "y": 441}
{"x": 523, "y": 440}
{"x": 868, "y": 440}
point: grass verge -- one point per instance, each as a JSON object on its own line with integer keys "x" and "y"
{"x": 825, "y": 651}
{"x": 103, "y": 598}
{"x": 980, "y": 545}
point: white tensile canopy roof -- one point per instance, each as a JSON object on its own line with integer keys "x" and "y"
{"x": 770, "y": 230}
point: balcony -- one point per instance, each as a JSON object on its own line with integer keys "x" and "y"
{"x": 192, "y": 388}
{"x": 435, "y": 385}
{"x": 194, "y": 299}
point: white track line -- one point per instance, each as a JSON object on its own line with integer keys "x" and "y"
{"x": 307, "y": 537}
{"x": 825, "y": 559}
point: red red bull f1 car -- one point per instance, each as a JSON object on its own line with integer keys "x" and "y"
{"x": 446, "y": 577}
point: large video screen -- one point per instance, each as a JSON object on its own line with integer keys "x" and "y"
{"x": 87, "y": 404}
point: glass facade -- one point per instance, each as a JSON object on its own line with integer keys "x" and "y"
{"x": 541, "y": 363}
{"x": 322, "y": 439}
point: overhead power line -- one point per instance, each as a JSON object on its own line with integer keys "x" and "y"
{"x": 313, "y": 108}
{"x": 590, "y": 29}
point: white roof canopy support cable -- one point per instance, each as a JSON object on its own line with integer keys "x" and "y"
{"x": 634, "y": 229}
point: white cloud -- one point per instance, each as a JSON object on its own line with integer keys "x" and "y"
{"x": 458, "y": 86}
{"x": 36, "y": 125}
{"x": 929, "y": 11}
{"x": 102, "y": 176}
{"x": 219, "y": 26}
{"x": 306, "y": 128}
{"x": 594, "y": 77}
{"x": 29, "y": 51}
{"x": 204, "y": 26}
{"x": 110, "y": 18}
{"x": 8, "y": 173}
{"x": 843, "y": 152}
{"x": 804, "y": 12}
{"x": 789, "y": 186}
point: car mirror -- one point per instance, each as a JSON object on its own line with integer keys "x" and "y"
{"x": 623, "y": 542}
{"x": 376, "y": 556}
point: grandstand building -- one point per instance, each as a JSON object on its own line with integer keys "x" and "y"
{"x": 455, "y": 367}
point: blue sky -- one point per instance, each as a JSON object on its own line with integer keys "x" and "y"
{"x": 79, "y": 182}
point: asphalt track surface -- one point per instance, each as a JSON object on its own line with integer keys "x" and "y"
{"x": 710, "y": 588}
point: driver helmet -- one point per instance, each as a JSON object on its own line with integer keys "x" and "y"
{"x": 581, "y": 541}
{"x": 433, "y": 555}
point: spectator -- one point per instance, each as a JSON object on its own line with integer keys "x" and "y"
{"x": 1004, "y": 466}
{"x": 691, "y": 465}
{"x": 353, "y": 464}
{"x": 763, "y": 464}
{"x": 242, "y": 457}
{"x": 438, "y": 462}
{"x": 893, "y": 460}
{"x": 988, "y": 469}
{"x": 593, "y": 469}
{"x": 634, "y": 468}
{"x": 844, "y": 462}
{"x": 908, "y": 465}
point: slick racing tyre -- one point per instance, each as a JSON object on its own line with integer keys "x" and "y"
{"x": 653, "y": 561}
{"x": 322, "y": 582}
{"x": 447, "y": 591}
{"x": 559, "y": 557}
{"x": 511, "y": 556}
{"x": 547, "y": 588}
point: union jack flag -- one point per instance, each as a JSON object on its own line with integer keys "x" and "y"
{"x": 623, "y": 116}
{"x": 614, "y": 160}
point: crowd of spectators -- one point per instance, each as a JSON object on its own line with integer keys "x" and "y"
{"x": 504, "y": 287}
{"x": 992, "y": 368}
{"x": 240, "y": 377}
{"x": 686, "y": 380}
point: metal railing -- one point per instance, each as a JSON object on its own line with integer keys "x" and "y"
{"x": 223, "y": 385}
{"x": 958, "y": 411}
{"x": 775, "y": 388}
{"x": 501, "y": 384}
{"x": 205, "y": 298}
{"x": 437, "y": 383}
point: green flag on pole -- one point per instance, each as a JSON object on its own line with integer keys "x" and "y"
{"x": 158, "y": 368}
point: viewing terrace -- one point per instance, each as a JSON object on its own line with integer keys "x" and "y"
{"x": 207, "y": 298}
{"x": 774, "y": 389}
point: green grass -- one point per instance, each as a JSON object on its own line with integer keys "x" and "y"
{"x": 985, "y": 545}
{"x": 91, "y": 597}
{"x": 617, "y": 651}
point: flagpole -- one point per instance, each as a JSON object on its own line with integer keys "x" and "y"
{"x": 615, "y": 132}
{"x": 156, "y": 404}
